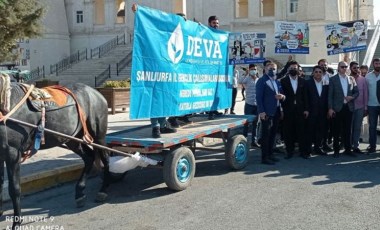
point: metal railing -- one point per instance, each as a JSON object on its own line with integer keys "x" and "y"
{"x": 66, "y": 63}
{"x": 100, "y": 51}
{"x": 36, "y": 73}
{"x": 372, "y": 46}
{"x": 101, "y": 78}
{"x": 123, "y": 63}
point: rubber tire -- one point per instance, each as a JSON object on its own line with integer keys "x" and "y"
{"x": 170, "y": 168}
{"x": 237, "y": 141}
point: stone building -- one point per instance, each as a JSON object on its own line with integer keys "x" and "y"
{"x": 73, "y": 25}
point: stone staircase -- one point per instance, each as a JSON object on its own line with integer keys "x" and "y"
{"x": 363, "y": 52}
{"x": 86, "y": 71}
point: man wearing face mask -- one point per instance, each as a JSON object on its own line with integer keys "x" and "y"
{"x": 268, "y": 96}
{"x": 249, "y": 81}
{"x": 295, "y": 111}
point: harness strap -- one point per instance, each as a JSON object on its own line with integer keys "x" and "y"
{"x": 82, "y": 116}
{"x": 19, "y": 104}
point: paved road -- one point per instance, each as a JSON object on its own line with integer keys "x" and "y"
{"x": 319, "y": 193}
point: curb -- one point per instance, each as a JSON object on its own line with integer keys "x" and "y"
{"x": 46, "y": 179}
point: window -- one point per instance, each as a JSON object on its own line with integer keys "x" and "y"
{"x": 24, "y": 62}
{"x": 267, "y": 8}
{"x": 293, "y": 6}
{"x": 241, "y": 8}
{"x": 99, "y": 12}
{"x": 80, "y": 16}
{"x": 120, "y": 11}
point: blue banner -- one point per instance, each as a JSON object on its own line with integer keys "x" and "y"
{"x": 179, "y": 66}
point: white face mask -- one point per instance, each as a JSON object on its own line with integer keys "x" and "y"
{"x": 252, "y": 72}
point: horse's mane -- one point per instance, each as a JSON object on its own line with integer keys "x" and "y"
{"x": 5, "y": 92}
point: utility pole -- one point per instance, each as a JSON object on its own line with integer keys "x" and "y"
{"x": 357, "y": 17}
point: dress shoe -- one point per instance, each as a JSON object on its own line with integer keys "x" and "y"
{"x": 305, "y": 155}
{"x": 211, "y": 116}
{"x": 371, "y": 149}
{"x": 288, "y": 156}
{"x": 336, "y": 154}
{"x": 255, "y": 145}
{"x": 168, "y": 130}
{"x": 320, "y": 152}
{"x": 173, "y": 122}
{"x": 184, "y": 119}
{"x": 218, "y": 113}
{"x": 267, "y": 162}
{"x": 156, "y": 132}
{"x": 327, "y": 148}
{"x": 357, "y": 150}
{"x": 274, "y": 159}
{"x": 349, "y": 153}
{"x": 232, "y": 112}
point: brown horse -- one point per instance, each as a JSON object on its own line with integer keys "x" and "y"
{"x": 15, "y": 139}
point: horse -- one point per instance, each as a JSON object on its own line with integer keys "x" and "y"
{"x": 16, "y": 139}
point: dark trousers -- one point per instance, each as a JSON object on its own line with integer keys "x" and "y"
{"x": 294, "y": 130}
{"x": 268, "y": 135}
{"x": 317, "y": 126}
{"x": 234, "y": 93}
{"x": 342, "y": 128}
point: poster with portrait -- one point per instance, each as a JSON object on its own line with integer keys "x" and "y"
{"x": 346, "y": 37}
{"x": 246, "y": 48}
{"x": 291, "y": 37}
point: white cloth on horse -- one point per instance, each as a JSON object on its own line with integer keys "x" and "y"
{"x": 38, "y": 94}
{"x": 5, "y": 92}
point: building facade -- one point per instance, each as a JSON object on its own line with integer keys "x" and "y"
{"x": 73, "y": 25}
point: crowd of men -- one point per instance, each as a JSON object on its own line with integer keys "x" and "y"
{"x": 312, "y": 112}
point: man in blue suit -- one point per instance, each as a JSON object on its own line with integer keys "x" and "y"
{"x": 268, "y": 96}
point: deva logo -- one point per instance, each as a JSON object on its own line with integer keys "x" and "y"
{"x": 175, "y": 45}
{"x": 196, "y": 47}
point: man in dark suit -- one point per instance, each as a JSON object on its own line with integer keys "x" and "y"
{"x": 317, "y": 94}
{"x": 295, "y": 110}
{"x": 342, "y": 93}
{"x": 268, "y": 96}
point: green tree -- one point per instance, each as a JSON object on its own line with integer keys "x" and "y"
{"x": 18, "y": 19}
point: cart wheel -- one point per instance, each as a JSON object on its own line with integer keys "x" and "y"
{"x": 179, "y": 168}
{"x": 237, "y": 152}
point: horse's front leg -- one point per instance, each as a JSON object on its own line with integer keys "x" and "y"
{"x": 1, "y": 185}
{"x": 13, "y": 170}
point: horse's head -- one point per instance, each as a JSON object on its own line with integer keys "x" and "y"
{"x": 5, "y": 93}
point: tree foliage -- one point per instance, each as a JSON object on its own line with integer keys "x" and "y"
{"x": 18, "y": 19}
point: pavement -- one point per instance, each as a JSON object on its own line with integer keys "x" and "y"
{"x": 55, "y": 166}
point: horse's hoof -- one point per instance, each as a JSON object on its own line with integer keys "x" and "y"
{"x": 81, "y": 201}
{"x": 101, "y": 197}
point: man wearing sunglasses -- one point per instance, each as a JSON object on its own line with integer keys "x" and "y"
{"x": 317, "y": 94}
{"x": 342, "y": 93}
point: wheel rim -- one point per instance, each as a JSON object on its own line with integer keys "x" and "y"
{"x": 183, "y": 169}
{"x": 240, "y": 153}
